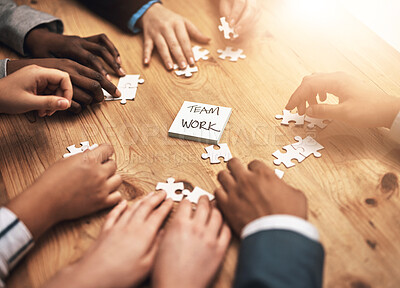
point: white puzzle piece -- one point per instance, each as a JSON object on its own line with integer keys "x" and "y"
{"x": 128, "y": 86}
{"x": 195, "y": 195}
{"x": 227, "y": 29}
{"x": 188, "y": 72}
{"x": 290, "y": 117}
{"x": 234, "y": 55}
{"x": 279, "y": 173}
{"x": 171, "y": 187}
{"x": 307, "y": 146}
{"x": 214, "y": 155}
{"x": 74, "y": 150}
{"x": 286, "y": 158}
{"x": 316, "y": 122}
{"x": 200, "y": 53}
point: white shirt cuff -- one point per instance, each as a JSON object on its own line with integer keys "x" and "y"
{"x": 282, "y": 222}
{"x": 395, "y": 129}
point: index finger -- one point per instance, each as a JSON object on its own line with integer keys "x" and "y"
{"x": 57, "y": 78}
{"x": 236, "y": 168}
{"x": 104, "y": 82}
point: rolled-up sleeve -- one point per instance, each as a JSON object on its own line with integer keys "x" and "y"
{"x": 17, "y": 21}
{"x": 3, "y": 68}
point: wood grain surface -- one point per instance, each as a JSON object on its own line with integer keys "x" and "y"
{"x": 352, "y": 189}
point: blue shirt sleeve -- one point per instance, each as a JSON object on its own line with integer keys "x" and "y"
{"x": 135, "y": 17}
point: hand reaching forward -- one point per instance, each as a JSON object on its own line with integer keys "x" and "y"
{"x": 195, "y": 243}
{"x": 240, "y": 14}
{"x": 69, "y": 189}
{"x": 171, "y": 34}
{"x": 35, "y": 88}
{"x": 90, "y": 51}
{"x": 360, "y": 104}
{"x": 124, "y": 253}
{"x": 251, "y": 193}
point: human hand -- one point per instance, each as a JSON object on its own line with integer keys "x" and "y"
{"x": 195, "y": 244}
{"x": 89, "y": 51}
{"x": 35, "y": 88}
{"x": 87, "y": 83}
{"x": 71, "y": 188}
{"x": 124, "y": 253}
{"x": 240, "y": 14}
{"x": 170, "y": 33}
{"x": 249, "y": 194}
{"x": 360, "y": 104}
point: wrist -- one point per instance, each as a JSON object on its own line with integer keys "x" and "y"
{"x": 35, "y": 37}
{"x": 147, "y": 14}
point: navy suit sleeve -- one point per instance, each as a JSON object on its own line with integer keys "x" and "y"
{"x": 279, "y": 258}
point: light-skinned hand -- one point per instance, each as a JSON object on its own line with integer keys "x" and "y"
{"x": 240, "y": 14}
{"x": 124, "y": 253}
{"x": 253, "y": 192}
{"x": 35, "y": 88}
{"x": 361, "y": 104}
{"x": 171, "y": 34}
{"x": 193, "y": 247}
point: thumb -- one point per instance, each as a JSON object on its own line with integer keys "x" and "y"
{"x": 325, "y": 111}
{"x": 49, "y": 102}
{"x": 195, "y": 33}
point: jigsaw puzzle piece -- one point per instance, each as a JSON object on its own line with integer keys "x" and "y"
{"x": 200, "y": 53}
{"x": 234, "y": 55}
{"x": 188, "y": 72}
{"x": 227, "y": 29}
{"x": 195, "y": 195}
{"x": 214, "y": 154}
{"x": 286, "y": 158}
{"x": 73, "y": 150}
{"x": 307, "y": 146}
{"x": 316, "y": 122}
{"x": 290, "y": 117}
{"x": 279, "y": 173}
{"x": 170, "y": 188}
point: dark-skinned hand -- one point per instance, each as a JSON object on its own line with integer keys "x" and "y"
{"x": 253, "y": 192}
{"x": 87, "y": 83}
{"x": 90, "y": 51}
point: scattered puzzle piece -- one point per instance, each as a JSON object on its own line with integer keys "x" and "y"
{"x": 279, "y": 173}
{"x": 227, "y": 29}
{"x": 128, "y": 87}
{"x": 307, "y": 146}
{"x": 171, "y": 187}
{"x": 74, "y": 150}
{"x": 200, "y": 53}
{"x": 234, "y": 55}
{"x": 316, "y": 122}
{"x": 286, "y": 158}
{"x": 214, "y": 155}
{"x": 195, "y": 195}
{"x": 289, "y": 117}
{"x": 188, "y": 72}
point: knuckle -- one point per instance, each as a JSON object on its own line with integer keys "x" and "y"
{"x": 95, "y": 86}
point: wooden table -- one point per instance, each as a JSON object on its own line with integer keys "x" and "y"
{"x": 354, "y": 206}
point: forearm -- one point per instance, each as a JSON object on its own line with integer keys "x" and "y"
{"x": 34, "y": 209}
{"x": 17, "y": 21}
{"x": 118, "y": 12}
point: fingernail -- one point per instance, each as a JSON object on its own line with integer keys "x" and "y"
{"x": 146, "y": 60}
{"x": 169, "y": 66}
{"x": 232, "y": 22}
{"x": 62, "y": 104}
{"x": 119, "y": 60}
{"x": 118, "y": 93}
{"x": 108, "y": 77}
{"x": 122, "y": 71}
{"x": 183, "y": 64}
{"x": 191, "y": 61}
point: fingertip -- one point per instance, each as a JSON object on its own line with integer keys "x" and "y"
{"x": 119, "y": 61}
{"x": 118, "y": 93}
